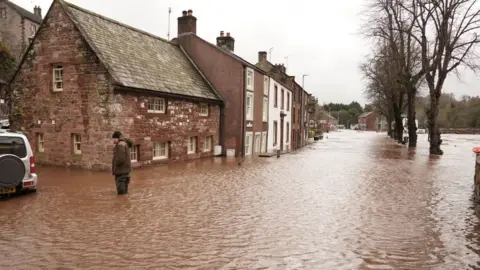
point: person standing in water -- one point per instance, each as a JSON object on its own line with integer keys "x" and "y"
{"x": 121, "y": 164}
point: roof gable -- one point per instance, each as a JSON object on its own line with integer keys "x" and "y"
{"x": 139, "y": 60}
{"x": 365, "y": 114}
{"x": 24, "y": 13}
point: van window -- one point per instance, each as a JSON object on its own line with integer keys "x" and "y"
{"x": 13, "y": 145}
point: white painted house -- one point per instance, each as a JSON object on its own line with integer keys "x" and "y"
{"x": 279, "y": 117}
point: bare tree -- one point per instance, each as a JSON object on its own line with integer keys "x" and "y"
{"x": 389, "y": 24}
{"x": 383, "y": 88}
{"x": 445, "y": 30}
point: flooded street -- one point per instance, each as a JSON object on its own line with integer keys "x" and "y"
{"x": 352, "y": 201}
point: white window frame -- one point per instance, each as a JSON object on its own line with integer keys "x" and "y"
{"x": 156, "y": 105}
{"x": 77, "y": 141}
{"x": 134, "y": 153}
{"x": 265, "y": 86}
{"x": 203, "y": 109}
{"x": 160, "y": 156}
{"x": 40, "y": 142}
{"x": 57, "y": 80}
{"x": 248, "y": 143}
{"x": 192, "y": 144}
{"x": 249, "y": 107}
{"x": 207, "y": 145}
{"x": 257, "y": 146}
{"x": 265, "y": 109}
{"x": 250, "y": 79}
{"x": 264, "y": 142}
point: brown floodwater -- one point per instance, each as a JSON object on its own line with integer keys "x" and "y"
{"x": 352, "y": 201}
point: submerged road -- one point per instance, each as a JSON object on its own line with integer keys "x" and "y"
{"x": 352, "y": 201}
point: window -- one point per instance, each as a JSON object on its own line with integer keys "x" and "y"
{"x": 156, "y": 105}
{"x": 288, "y": 101}
{"x": 249, "y": 106}
{"x": 275, "y": 97}
{"x": 203, "y": 109}
{"x": 58, "y": 78}
{"x": 33, "y": 29}
{"x": 160, "y": 150}
{"x": 248, "y": 144}
{"x": 293, "y": 116}
{"x": 250, "y": 79}
{"x": 192, "y": 145}
{"x": 134, "y": 153}
{"x": 258, "y": 142}
{"x": 3, "y": 13}
{"x": 288, "y": 133}
{"x": 207, "y": 146}
{"x": 265, "y": 86}
{"x": 13, "y": 146}
{"x": 274, "y": 132}
{"x": 265, "y": 109}
{"x": 77, "y": 142}
{"x": 282, "y": 100}
{"x": 40, "y": 143}
{"x": 264, "y": 142}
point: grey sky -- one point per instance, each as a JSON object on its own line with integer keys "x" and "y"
{"x": 320, "y": 40}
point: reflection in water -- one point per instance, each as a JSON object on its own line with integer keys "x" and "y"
{"x": 352, "y": 201}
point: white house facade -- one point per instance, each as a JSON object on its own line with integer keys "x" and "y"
{"x": 279, "y": 117}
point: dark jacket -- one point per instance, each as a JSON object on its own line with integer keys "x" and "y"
{"x": 121, "y": 163}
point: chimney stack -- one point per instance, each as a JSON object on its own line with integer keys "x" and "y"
{"x": 226, "y": 42}
{"x": 37, "y": 10}
{"x": 187, "y": 23}
{"x": 262, "y": 57}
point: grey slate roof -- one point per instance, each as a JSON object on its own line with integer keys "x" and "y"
{"x": 138, "y": 59}
{"x": 25, "y": 13}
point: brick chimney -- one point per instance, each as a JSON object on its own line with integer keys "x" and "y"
{"x": 187, "y": 23}
{"x": 226, "y": 42}
{"x": 281, "y": 68}
{"x": 262, "y": 57}
{"x": 37, "y": 10}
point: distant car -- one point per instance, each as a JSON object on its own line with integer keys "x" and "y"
{"x": 421, "y": 131}
{"x": 17, "y": 164}
{"x": 4, "y": 124}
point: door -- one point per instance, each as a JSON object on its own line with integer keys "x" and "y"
{"x": 281, "y": 134}
{"x": 258, "y": 142}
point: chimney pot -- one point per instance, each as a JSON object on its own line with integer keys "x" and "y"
{"x": 187, "y": 23}
{"x": 190, "y": 12}
{"x": 184, "y": 13}
{"x": 222, "y": 33}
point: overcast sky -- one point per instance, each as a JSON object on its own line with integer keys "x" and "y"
{"x": 320, "y": 40}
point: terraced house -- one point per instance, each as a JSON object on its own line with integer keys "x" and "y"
{"x": 85, "y": 76}
{"x": 240, "y": 83}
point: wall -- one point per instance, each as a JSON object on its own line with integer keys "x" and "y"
{"x": 227, "y": 76}
{"x": 274, "y": 115}
{"x": 181, "y": 121}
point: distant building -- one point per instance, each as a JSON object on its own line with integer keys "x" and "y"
{"x": 372, "y": 121}
{"x": 85, "y": 76}
{"x": 18, "y": 26}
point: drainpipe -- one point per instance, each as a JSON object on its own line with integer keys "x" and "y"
{"x": 244, "y": 117}
{"x": 221, "y": 136}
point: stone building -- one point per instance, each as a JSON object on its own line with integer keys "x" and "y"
{"x": 85, "y": 76}
{"x": 18, "y": 26}
{"x": 240, "y": 83}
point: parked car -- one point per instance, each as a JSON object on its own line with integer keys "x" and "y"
{"x": 4, "y": 124}
{"x": 17, "y": 164}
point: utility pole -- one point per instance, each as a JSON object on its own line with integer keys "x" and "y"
{"x": 169, "y": 13}
{"x": 303, "y": 80}
{"x": 270, "y": 54}
{"x": 286, "y": 60}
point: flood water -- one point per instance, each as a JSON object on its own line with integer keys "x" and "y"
{"x": 352, "y": 201}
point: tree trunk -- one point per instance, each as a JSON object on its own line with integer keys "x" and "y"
{"x": 433, "y": 128}
{"x": 412, "y": 127}
{"x": 397, "y": 114}
{"x": 389, "y": 125}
